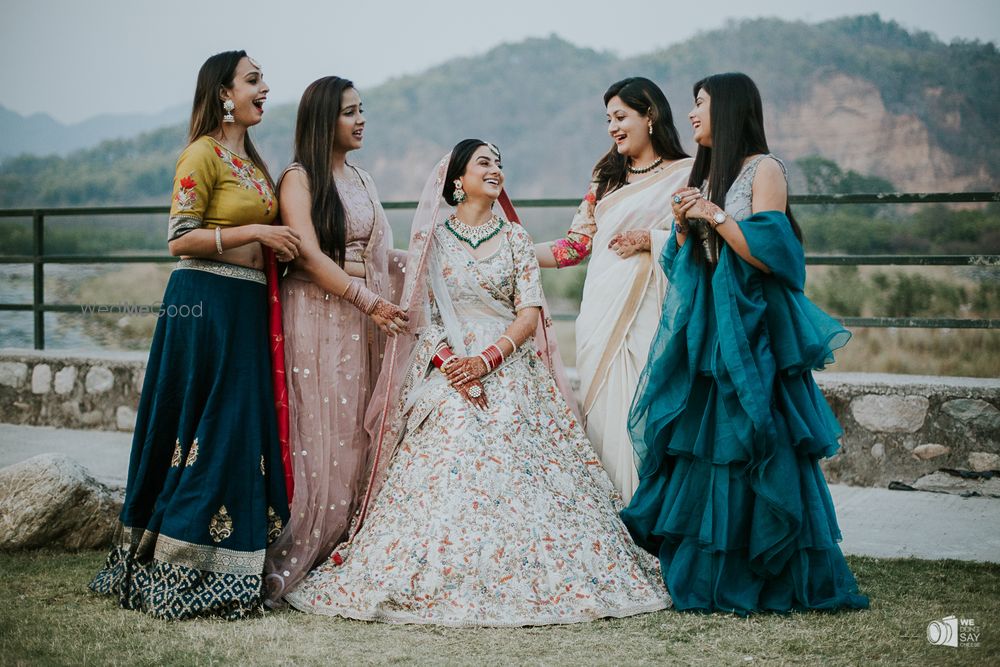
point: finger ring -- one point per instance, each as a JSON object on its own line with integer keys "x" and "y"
{"x": 393, "y": 327}
{"x": 677, "y": 199}
{"x": 475, "y": 391}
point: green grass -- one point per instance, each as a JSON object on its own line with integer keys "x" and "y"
{"x": 48, "y": 617}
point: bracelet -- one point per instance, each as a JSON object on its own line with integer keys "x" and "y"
{"x": 218, "y": 240}
{"x": 363, "y": 298}
{"x": 511, "y": 342}
{"x": 492, "y": 356}
{"x": 441, "y": 357}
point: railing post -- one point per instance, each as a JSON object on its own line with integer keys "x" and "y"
{"x": 38, "y": 244}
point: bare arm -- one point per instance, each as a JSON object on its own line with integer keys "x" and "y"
{"x": 295, "y": 204}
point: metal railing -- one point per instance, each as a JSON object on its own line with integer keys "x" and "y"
{"x": 39, "y": 258}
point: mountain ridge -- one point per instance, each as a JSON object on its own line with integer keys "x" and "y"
{"x": 861, "y": 91}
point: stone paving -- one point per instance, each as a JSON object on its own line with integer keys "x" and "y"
{"x": 875, "y": 522}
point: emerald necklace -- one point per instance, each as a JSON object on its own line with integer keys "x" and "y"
{"x": 474, "y": 236}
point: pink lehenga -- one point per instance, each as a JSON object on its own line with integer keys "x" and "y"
{"x": 499, "y": 517}
{"x": 333, "y": 353}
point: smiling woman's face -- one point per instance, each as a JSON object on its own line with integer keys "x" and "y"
{"x": 483, "y": 177}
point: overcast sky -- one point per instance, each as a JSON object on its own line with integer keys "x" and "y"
{"x": 74, "y": 59}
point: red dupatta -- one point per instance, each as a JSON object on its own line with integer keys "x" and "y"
{"x": 277, "y": 339}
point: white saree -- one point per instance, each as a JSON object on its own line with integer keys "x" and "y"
{"x": 620, "y": 311}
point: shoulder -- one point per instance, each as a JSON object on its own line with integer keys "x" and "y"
{"x": 202, "y": 148}
{"x": 294, "y": 176}
{"x": 366, "y": 178}
{"x": 770, "y": 172}
{"x": 518, "y": 234}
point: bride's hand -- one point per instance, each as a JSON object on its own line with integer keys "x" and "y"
{"x": 480, "y": 400}
{"x": 630, "y": 243}
{"x": 464, "y": 370}
{"x": 390, "y": 318}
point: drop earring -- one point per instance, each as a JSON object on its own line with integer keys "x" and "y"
{"x": 650, "y": 128}
{"x": 459, "y": 195}
{"x": 228, "y": 107}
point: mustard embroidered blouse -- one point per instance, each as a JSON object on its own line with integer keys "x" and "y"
{"x": 214, "y": 187}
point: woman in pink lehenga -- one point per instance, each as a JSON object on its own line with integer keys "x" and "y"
{"x": 337, "y": 307}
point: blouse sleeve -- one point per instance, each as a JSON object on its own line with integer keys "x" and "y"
{"x": 575, "y": 247}
{"x": 193, "y": 181}
{"x": 527, "y": 276}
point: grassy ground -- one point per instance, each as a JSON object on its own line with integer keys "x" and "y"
{"x": 48, "y": 617}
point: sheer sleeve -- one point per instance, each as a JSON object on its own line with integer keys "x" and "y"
{"x": 576, "y": 245}
{"x": 194, "y": 179}
{"x": 527, "y": 276}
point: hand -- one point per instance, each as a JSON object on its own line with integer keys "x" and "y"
{"x": 390, "y": 318}
{"x": 688, "y": 198}
{"x": 630, "y": 243}
{"x": 480, "y": 401}
{"x": 702, "y": 209}
{"x": 283, "y": 240}
{"x": 464, "y": 370}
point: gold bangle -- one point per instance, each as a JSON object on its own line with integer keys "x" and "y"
{"x": 218, "y": 240}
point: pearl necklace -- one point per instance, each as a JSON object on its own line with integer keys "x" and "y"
{"x": 474, "y": 236}
{"x": 656, "y": 163}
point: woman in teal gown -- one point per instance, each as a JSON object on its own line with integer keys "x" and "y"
{"x": 728, "y": 425}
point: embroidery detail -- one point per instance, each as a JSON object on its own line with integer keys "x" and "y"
{"x": 274, "y": 524}
{"x": 186, "y": 196}
{"x": 223, "y": 269}
{"x": 262, "y": 465}
{"x": 221, "y": 525}
{"x": 192, "y": 454}
{"x": 175, "y": 460}
{"x": 571, "y": 250}
{"x": 245, "y": 173}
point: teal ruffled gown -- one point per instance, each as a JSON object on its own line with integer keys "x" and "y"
{"x": 729, "y": 426}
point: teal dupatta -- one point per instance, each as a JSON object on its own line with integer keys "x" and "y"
{"x": 728, "y": 428}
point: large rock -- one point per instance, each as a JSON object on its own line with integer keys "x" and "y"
{"x": 890, "y": 414}
{"x": 52, "y": 501}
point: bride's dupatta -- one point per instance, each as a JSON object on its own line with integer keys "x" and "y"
{"x": 408, "y": 356}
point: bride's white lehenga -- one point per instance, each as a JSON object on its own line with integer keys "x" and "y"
{"x": 502, "y": 517}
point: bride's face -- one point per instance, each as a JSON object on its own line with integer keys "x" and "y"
{"x": 483, "y": 177}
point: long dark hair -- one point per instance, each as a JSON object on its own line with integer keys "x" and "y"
{"x": 460, "y": 156}
{"x": 737, "y": 117}
{"x": 315, "y": 128}
{"x": 646, "y": 98}
{"x": 215, "y": 74}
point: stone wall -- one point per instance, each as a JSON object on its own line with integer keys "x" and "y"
{"x": 903, "y": 427}
{"x": 896, "y": 427}
{"x": 71, "y": 390}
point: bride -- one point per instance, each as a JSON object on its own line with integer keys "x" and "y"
{"x": 486, "y": 505}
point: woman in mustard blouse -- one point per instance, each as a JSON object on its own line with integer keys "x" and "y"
{"x": 206, "y": 489}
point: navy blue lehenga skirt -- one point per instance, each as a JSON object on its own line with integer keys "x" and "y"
{"x": 206, "y": 491}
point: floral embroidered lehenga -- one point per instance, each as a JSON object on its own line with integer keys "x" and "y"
{"x": 496, "y": 517}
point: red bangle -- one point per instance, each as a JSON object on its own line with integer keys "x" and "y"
{"x": 442, "y": 355}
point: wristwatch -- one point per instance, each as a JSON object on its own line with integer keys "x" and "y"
{"x": 719, "y": 218}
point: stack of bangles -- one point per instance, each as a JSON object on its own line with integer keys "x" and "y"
{"x": 363, "y": 298}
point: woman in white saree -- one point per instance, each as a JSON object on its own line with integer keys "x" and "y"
{"x": 622, "y": 225}
{"x": 486, "y": 505}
